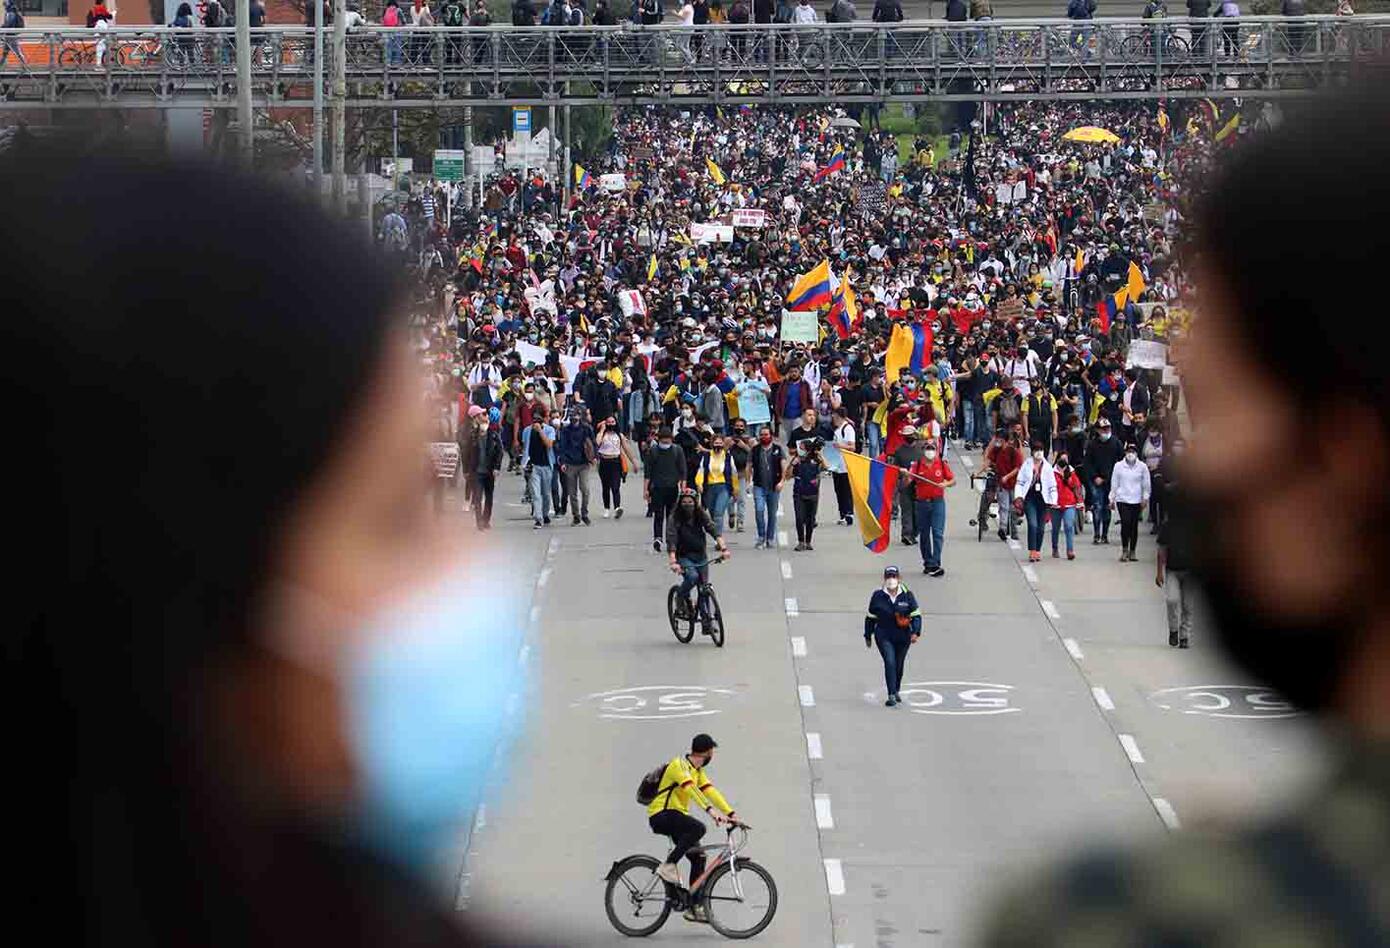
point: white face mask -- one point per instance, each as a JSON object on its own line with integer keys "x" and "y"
{"x": 891, "y": 584}
{"x": 1037, "y": 455}
{"x": 1131, "y": 457}
{"x": 929, "y": 455}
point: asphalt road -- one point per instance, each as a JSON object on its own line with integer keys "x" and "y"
{"x": 1045, "y": 712}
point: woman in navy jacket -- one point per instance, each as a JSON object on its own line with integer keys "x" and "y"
{"x": 896, "y": 622}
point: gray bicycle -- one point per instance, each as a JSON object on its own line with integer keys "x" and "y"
{"x": 738, "y": 895}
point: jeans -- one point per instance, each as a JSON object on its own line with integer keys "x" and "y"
{"x": 894, "y": 652}
{"x": 686, "y": 832}
{"x": 1064, "y": 520}
{"x": 692, "y": 572}
{"x": 610, "y": 476}
{"x": 1100, "y": 509}
{"x": 804, "y": 506}
{"x": 577, "y": 489}
{"x": 482, "y": 502}
{"x": 1179, "y": 591}
{"x": 663, "y": 503}
{"x": 982, "y": 432}
{"x": 875, "y": 435}
{"x": 736, "y": 503}
{"x": 1007, "y": 523}
{"x": 765, "y": 512}
{"x": 542, "y": 482}
{"x": 716, "y": 501}
{"x": 1034, "y": 509}
{"x": 931, "y": 530}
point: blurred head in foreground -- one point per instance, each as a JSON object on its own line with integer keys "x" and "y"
{"x": 1290, "y": 407}
{"x": 254, "y": 702}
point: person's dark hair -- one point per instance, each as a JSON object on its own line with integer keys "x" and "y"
{"x": 702, "y": 743}
{"x": 169, "y": 418}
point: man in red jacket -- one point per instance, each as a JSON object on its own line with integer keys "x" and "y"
{"x": 1004, "y": 456}
{"x": 931, "y": 475}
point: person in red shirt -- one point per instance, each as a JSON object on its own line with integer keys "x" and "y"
{"x": 1004, "y": 457}
{"x": 1070, "y": 497}
{"x": 931, "y": 475}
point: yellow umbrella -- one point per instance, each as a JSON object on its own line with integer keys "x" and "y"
{"x": 1090, "y": 133}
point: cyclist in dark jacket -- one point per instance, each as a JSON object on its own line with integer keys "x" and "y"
{"x": 888, "y": 11}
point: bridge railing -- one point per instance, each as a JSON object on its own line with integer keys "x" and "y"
{"x": 827, "y": 60}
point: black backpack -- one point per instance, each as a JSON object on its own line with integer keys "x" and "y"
{"x": 650, "y": 788}
{"x": 453, "y": 15}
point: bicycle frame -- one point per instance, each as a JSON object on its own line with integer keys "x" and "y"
{"x": 724, "y": 852}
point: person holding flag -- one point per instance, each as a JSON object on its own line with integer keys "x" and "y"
{"x": 931, "y": 475}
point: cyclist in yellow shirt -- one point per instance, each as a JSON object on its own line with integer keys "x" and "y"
{"x": 669, "y": 814}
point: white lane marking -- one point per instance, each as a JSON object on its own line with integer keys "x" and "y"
{"x": 1075, "y": 649}
{"x": 782, "y": 538}
{"x": 1103, "y": 698}
{"x": 808, "y": 697}
{"x": 792, "y": 609}
{"x": 535, "y": 612}
{"x": 834, "y": 877}
{"x": 544, "y": 577}
{"x": 480, "y": 820}
{"x": 1131, "y": 748}
{"x": 1031, "y": 575}
{"x": 798, "y": 647}
{"x": 1013, "y": 544}
{"x": 1167, "y": 814}
{"x": 813, "y": 748}
{"x": 1050, "y": 609}
{"x": 870, "y": 697}
{"x": 824, "y": 819}
{"x": 786, "y": 570}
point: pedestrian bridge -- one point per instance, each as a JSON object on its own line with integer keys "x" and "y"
{"x": 997, "y": 60}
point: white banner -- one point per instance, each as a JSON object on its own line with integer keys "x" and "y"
{"x": 630, "y": 301}
{"x": 1145, "y": 354}
{"x": 708, "y": 233}
{"x": 612, "y": 182}
{"x": 800, "y": 326}
{"x": 748, "y": 217}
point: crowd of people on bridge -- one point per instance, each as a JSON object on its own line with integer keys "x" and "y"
{"x": 600, "y": 338}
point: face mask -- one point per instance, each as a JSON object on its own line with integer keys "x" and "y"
{"x": 891, "y": 585}
{"x": 764, "y": 439}
{"x": 687, "y": 415}
{"x": 664, "y": 445}
{"x": 428, "y": 684}
{"x": 1105, "y": 436}
{"x": 530, "y": 396}
{"x": 929, "y": 455}
{"x": 1131, "y": 457}
{"x": 1076, "y": 429}
{"x": 1037, "y": 455}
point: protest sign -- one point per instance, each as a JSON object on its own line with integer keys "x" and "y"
{"x": 708, "y": 233}
{"x": 1145, "y": 354}
{"x": 800, "y": 326}
{"x": 748, "y": 217}
{"x": 445, "y": 455}
{"x": 612, "y": 182}
{"x": 753, "y": 407}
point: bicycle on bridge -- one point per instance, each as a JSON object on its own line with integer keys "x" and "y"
{"x": 739, "y": 897}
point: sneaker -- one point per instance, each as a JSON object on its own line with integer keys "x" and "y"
{"x": 536, "y": 525}
{"x": 696, "y": 913}
{"x": 574, "y": 522}
{"x": 849, "y": 521}
{"x": 739, "y": 528}
{"x": 1071, "y": 555}
{"x": 800, "y": 547}
{"x": 892, "y": 700}
{"x": 656, "y": 546}
{"x": 605, "y": 513}
{"x": 759, "y": 543}
{"x": 618, "y": 513}
{"x": 840, "y": 522}
{"x": 926, "y": 570}
{"x": 1182, "y": 643}
{"x": 1055, "y": 554}
{"x": 547, "y": 521}
{"x": 938, "y": 571}
{"x": 1172, "y": 638}
{"x": 669, "y": 873}
{"x": 1003, "y": 535}
{"x": 584, "y": 518}
{"x": 1095, "y": 540}
{"x": 810, "y": 548}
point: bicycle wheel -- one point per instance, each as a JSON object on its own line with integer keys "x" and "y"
{"x": 716, "y": 618}
{"x": 1134, "y": 48}
{"x": 742, "y": 905}
{"x": 636, "y": 894}
{"x": 72, "y": 58}
{"x": 672, "y": 598}
{"x": 1175, "y": 47}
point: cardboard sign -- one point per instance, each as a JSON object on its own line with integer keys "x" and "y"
{"x": 641, "y": 151}
{"x": 748, "y": 217}
{"x": 753, "y": 407}
{"x": 711, "y": 233}
{"x": 1145, "y": 354}
{"x": 445, "y": 456}
{"x": 612, "y": 182}
{"x": 800, "y": 326}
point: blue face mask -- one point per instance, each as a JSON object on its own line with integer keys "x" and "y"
{"x": 429, "y": 691}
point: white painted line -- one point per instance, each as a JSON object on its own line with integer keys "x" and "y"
{"x": 782, "y": 539}
{"x": 808, "y": 697}
{"x": 834, "y": 877}
{"x": 1167, "y": 814}
{"x": 480, "y": 818}
{"x": 1050, "y": 609}
{"x": 1031, "y": 575}
{"x": 870, "y": 697}
{"x": 535, "y": 613}
{"x": 544, "y": 577}
{"x": 1103, "y": 698}
{"x": 824, "y": 819}
{"x": 798, "y": 647}
{"x": 1014, "y": 544}
{"x": 792, "y": 609}
{"x": 1075, "y": 649}
{"x": 813, "y": 748}
{"x": 786, "y": 570}
{"x": 1131, "y": 748}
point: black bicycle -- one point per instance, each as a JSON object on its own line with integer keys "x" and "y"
{"x": 739, "y": 897}
{"x": 981, "y": 519}
{"x": 706, "y": 613}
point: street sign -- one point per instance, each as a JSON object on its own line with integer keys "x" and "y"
{"x": 521, "y": 120}
{"x": 448, "y": 164}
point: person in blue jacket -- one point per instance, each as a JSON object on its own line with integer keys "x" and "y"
{"x": 896, "y": 622}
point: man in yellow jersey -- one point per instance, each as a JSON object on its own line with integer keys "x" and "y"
{"x": 669, "y": 814}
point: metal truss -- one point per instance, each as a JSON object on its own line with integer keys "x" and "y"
{"x": 997, "y": 60}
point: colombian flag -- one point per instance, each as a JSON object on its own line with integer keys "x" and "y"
{"x": 837, "y": 163}
{"x": 1110, "y": 307}
{"x": 908, "y": 348}
{"x": 872, "y": 484}
{"x": 811, "y": 290}
{"x": 844, "y": 310}
{"x": 582, "y": 178}
{"x": 651, "y": 267}
{"x": 714, "y": 171}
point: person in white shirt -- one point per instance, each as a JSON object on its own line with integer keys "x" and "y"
{"x": 1130, "y": 484}
{"x": 1034, "y": 492}
{"x": 804, "y": 13}
{"x": 845, "y": 439}
{"x": 484, "y": 373}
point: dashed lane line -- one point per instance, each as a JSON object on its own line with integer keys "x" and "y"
{"x": 1131, "y": 748}
{"x": 834, "y": 877}
{"x": 813, "y": 747}
{"x": 798, "y": 646}
{"x": 1103, "y": 698}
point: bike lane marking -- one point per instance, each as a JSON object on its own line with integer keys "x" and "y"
{"x": 798, "y": 647}
{"x": 1132, "y": 749}
{"x": 834, "y": 877}
{"x": 1074, "y": 649}
{"x": 791, "y": 605}
{"x": 1102, "y": 698}
{"x": 1167, "y": 814}
{"x": 786, "y": 570}
{"x": 824, "y": 818}
{"x": 808, "y": 697}
{"x": 813, "y": 748}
